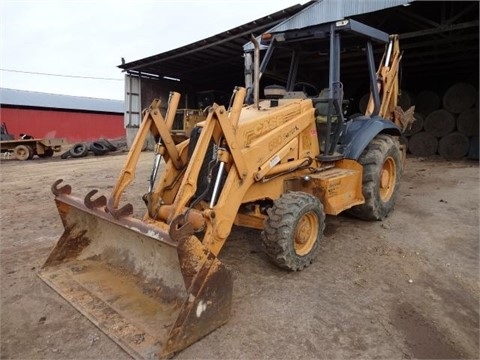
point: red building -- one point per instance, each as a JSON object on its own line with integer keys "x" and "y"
{"x": 74, "y": 118}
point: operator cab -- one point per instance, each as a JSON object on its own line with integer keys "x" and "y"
{"x": 305, "y": 46}
{"x": 321, "y": 103}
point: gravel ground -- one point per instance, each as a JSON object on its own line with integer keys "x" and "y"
{"x": 407, "y": 287}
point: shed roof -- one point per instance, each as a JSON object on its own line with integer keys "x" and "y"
{"x": 217, "y": 57}
{"x": 22, "y": 98}
{"x": 439, "y": 37}
{"x": 325, "y": 11}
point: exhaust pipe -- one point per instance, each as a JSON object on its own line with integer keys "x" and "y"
{"x": 256, "y": 71}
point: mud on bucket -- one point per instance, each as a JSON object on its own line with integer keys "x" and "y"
{"x": 152, "y": 295}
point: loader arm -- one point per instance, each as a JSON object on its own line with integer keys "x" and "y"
{"x": 244, "y": 163}
{"x": 153, "y": 288}
{"x": 153, "y": 122}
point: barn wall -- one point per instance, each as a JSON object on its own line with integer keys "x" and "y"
{"x": 73, "y": 126}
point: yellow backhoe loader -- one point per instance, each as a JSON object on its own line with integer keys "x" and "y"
{"x": 155, "y": 285}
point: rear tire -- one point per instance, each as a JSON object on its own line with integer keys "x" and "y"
{"x": 46, "y": 153}
{"x": 382, "y": 170}
{"x": 293, "y": 230}
{"x": 23, "y": 152}
{"x": 32, "y": 153}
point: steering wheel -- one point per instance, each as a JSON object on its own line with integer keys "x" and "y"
{"x": 309, "y": 89}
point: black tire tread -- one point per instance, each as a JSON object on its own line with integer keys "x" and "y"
{"x": 372, "y": 160}
{"x": 79, "y": 150}
{"x": 31, "y": 153}
{"x": 47, "y": 153}
{"x": 98, "y": 148}
{"x": 66, "y": 154}
{"x": 108, "y": 144}
{"x": 280, "y": 224}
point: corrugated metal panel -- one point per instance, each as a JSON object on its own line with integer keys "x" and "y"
{"x": 324, "y": 11}
{"x": 73, "y": 126}
{"x": 54, "y": 101}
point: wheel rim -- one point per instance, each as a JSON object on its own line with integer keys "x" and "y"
{"x": 306, "y": 233}
{"x": 22, "y": 152}
{"x": 388, "y": 176}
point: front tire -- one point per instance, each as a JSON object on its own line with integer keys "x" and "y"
{"x": 382, "y": 170}
{"x": 293, "y": 230}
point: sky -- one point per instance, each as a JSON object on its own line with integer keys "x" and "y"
{"x": 87, "y": 39}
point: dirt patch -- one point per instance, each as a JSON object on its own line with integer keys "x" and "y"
{"x": 407, "y": 287}
{"x": 421, "y": 336}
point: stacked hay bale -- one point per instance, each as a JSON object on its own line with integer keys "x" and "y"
{"x": 446, "y": 125}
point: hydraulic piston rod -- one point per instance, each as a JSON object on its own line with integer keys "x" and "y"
{"x": 217, "y": 184}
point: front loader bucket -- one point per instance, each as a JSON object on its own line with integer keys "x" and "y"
{"x": 152, "y": 295}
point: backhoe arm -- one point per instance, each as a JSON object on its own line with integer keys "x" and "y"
{"x": 388, "y": 86}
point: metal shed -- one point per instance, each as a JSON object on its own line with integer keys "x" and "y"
{"x": 214, "y": 63}
{"x": 218, "y": 57}
{"x": 74, "y": 118}
{"x": 435, "y": 35}
{"x": 439, "y": 39}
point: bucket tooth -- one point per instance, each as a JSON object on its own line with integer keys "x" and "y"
{"x": 124, "y": 211}
{"x": 66, "y": 189}
{"x": 99, "y": 202}
{"x": 152, "y": 295}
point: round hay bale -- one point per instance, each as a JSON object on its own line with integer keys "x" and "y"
{"x": 417, "y": 125}
{"x": 459, "y": 97}
{"x": 426, "y": 102}
{"x": 467, "y": 122}
{"x": 439, "y": 123}
{"x": 473, "y": 150}
{"x": 405, "y": 100}
{"x": 453, "y": 146}
{"x": 423, "y": 144}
